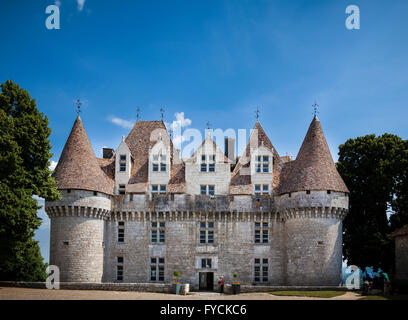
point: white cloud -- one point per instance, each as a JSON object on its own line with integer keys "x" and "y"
{"x": 53, "y": 165}
{"x": 80, "y": 4}
{"x": 121, "y": 122}
{"x": 180, "y": 121}
{"x": 176, "y": 127}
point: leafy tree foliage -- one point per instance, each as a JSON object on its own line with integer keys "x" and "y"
{"x": 24, "y": 172}
{"x": 375, "y": 170}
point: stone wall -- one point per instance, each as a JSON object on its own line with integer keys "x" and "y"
{"x": 314, "y": 251}
{"x": 233, "y": 250}
{"x": 401, "y": 257}
{"x": 77, "y": 234}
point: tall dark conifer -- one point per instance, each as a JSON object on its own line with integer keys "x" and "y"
{"x": 24, "y": 172}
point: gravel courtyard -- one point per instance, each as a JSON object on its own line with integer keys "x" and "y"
{"x": 12, "y": 293}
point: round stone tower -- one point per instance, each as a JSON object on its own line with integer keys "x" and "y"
{"x": 77, "y": 220}
{"x": 313, "y": 200}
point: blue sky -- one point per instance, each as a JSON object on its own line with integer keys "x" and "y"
{"x": 213, "y": 60}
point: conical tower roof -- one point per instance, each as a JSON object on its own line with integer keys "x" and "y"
{"x": 314, "y": 167}
{"x": 78, "y": 168}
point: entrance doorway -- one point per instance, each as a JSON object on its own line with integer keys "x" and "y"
{"x": 206, "y": 281}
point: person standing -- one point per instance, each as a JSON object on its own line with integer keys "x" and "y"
{"x": 222, "y": 282}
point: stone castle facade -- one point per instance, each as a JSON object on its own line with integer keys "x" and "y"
{"x": 141, "y": 212}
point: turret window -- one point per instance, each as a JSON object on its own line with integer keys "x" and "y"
{"x": 119, "y": 269}
{"x": 121, "y": 231}
{"x": 159, "y": 163}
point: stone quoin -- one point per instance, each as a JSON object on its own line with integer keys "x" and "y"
{"x": 141, "y": 212}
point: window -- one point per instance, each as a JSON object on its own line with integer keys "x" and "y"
{"x": 206, "y": 263}
{"x": 207, "y": 232}
{"x": 122, "y": 162}
{"x": 328, "y": 191}
{"x": 207, "y": 163}
{"x": 158, "y": 189}
{"x": 122, "y": 189}
{"x": 121, "y": 231}
{"x": 119, "y": 269}
{"x": 307, "y": 191}
{"x": 262, "y": 164}
{"x": 207, "y": 189}
{"x": 261, "y": 189}
{"x": 157, "y": 269}
{"x": 261, "y": 270}
{"x": 261, "y": 232}
{"x": 119, "y": 273}
{"x": 95, "y": 193}
{"x": 159, "y": 163}
{"x": 158, "y": 232}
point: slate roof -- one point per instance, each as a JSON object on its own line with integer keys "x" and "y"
{"x": 313, "y": 168}
{"x": 78, "y": 168}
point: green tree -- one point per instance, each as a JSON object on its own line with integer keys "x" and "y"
{"x": 375, "y": 170}
{"x": 24, "y": 172}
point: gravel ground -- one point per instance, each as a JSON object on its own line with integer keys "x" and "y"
{"x": 11, "y": 293}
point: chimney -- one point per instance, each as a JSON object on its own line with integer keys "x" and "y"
{"x": 230, "y": 149}
{"x": 107, "y": 153}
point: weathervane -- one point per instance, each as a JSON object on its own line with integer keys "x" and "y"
{"x": 79, "y": 104}
{"x": 162, "y": 113}
{"x": 257, "y": 114}
{"x": 138, "y": 114}
{"x": 315, "y": 105}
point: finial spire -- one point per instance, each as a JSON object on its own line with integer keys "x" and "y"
{"x": 257, "y": 114}
{"x": 162, "y": 113}
{"x": 315, "y": 108}
{"x": 138, "y": 114}
{"x": 208, "y": 125}
{"x": 79, "y": 104}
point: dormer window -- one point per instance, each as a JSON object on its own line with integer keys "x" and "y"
{"x": 159, "y": 163}
{"x": 207, "y": 163}
{"x": 122, "y": 163}
{"x": 262, "y": 164}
